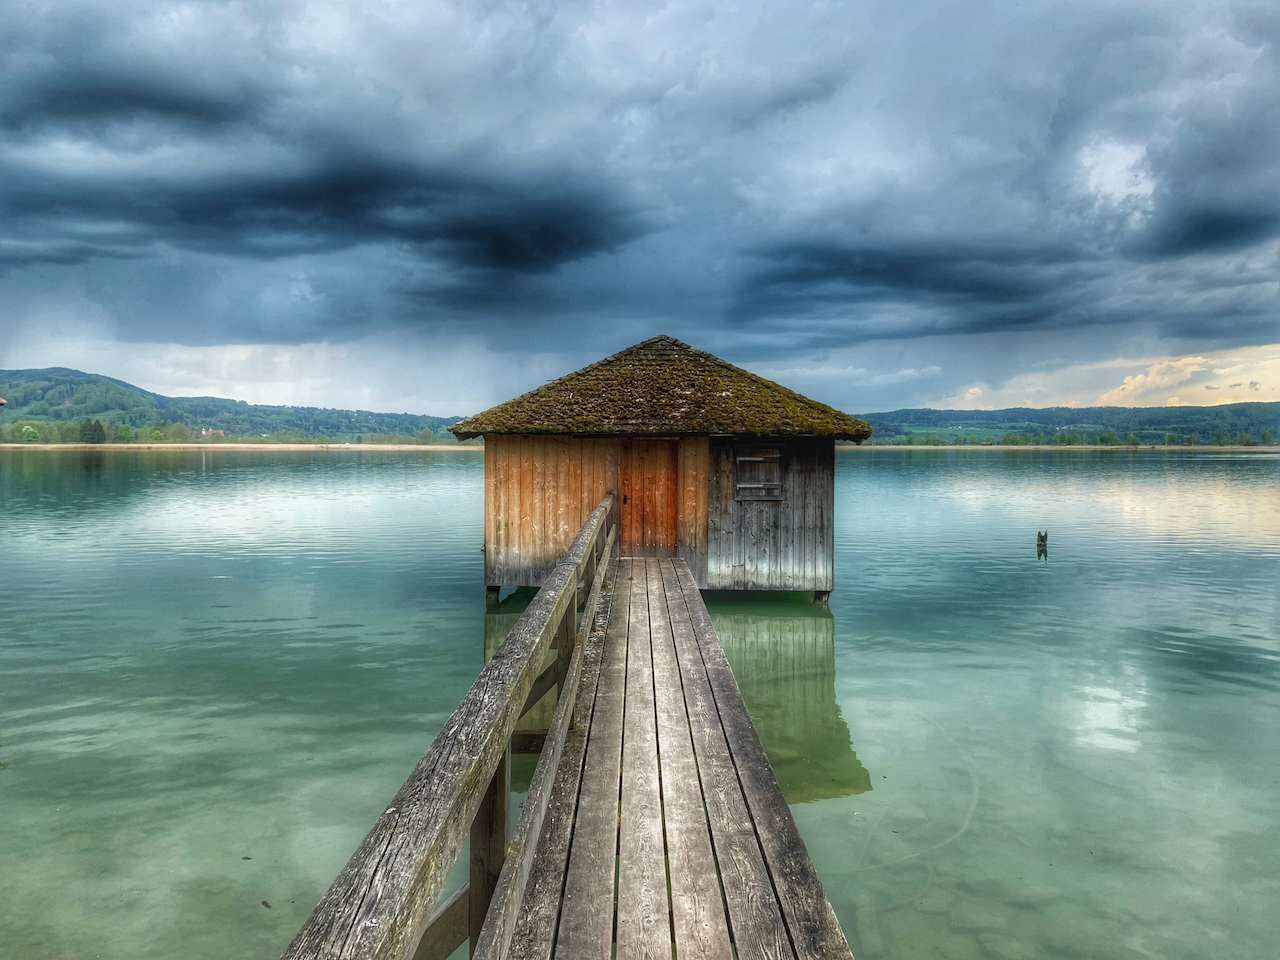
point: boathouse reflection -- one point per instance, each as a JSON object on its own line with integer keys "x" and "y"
{"x": 782, "y": 651}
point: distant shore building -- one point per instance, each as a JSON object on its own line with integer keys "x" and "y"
{"x": 708, "y": 462}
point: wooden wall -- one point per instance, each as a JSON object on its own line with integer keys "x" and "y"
{"x": 691, "y": 524}
{"x": 772, "y": 544}
{"x": 539, "y": 490}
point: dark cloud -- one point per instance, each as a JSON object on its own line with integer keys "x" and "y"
{"x": 786, "y": 178}
{"x": 341, "y": 201}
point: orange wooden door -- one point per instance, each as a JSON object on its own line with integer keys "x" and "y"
{"x": 648, "y": 476}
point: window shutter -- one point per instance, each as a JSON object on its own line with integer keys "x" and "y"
{"x": 759, "y": 473}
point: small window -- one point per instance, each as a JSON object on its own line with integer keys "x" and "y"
{"x": 759, "y": 473}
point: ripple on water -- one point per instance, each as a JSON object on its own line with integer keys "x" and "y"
{"x": 207, "y": 658}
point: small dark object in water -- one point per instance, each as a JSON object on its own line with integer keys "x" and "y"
{"x": 1042, "y": 545}
{"x": 267, "y": 905}
{"x": 246, "y": 858}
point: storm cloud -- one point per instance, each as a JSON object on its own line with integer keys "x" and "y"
{"x": 770, "y": 180}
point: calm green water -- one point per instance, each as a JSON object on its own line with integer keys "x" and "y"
{"x": 207, "y": 657}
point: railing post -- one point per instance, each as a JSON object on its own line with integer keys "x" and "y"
{"x": 565, "y": 636}
{"x": 586, "y": 571}
{"x": 489, "y": 845}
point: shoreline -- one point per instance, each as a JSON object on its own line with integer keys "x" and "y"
{"x": 403, "y": 447}
{"x": 1055, "y": 447}
{"x": 204, "y": 447}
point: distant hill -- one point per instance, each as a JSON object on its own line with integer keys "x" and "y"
{"x": 1149, "y": 423}
{"x": 61, "y": 394}
{"x": 58, "y": 393}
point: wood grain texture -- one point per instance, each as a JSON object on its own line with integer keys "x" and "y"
{"x": 698, "y": 919}
{"x": 811, "y": 922}
{"x": 535, "y": 930}
{"x": 538, "y": 492}
{"x": 586, "y": 920}
{"x": 644, "y": 926}
{"x": 755, "y": 919}
{"x": 692, "y": 509}
{"x": 448, "y": 927}
{"x": 500, "y": 918}
{"x": 494, "y": 939}
{"x": 649, "y": 491}
{"x": 538, "y": 489}
{"x": 488, "y": 845}
{"x": 782, "y": 544}
{"x": 382, "y": 899}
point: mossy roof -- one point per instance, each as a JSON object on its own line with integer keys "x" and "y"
{"x": 663, "y": 386}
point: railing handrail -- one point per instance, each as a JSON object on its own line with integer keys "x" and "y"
{"x": 382, "y": 899}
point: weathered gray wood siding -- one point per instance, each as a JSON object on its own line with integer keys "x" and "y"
{"x": 781, "y": 544}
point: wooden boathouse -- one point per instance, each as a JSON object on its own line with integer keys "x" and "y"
{"x": 707, "y": 462}
{"x": 653, "y": 826}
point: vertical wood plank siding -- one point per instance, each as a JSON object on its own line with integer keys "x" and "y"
{"x": 771, "y": 544}
{"x": 650, "y": 497}
{"x": 539, "y": 490}
{"x": 695, "y": 458}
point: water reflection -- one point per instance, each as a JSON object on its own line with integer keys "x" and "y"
{"x": 782, "y": 650}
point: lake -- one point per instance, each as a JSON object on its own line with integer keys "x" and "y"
{"x": 216, "y": 667}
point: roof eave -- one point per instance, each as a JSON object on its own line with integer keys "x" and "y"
{"x": 855, "y": 436}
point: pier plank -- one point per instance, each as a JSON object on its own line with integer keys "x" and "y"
{"x": 697, "y": 908}
{"x": 644, "y": 926}
{"x": 535, "y": 931}
{"x": 586, "y": 930}
{"x": 810, "y": 918}
{"x": 654, "y": 825}
{"x": 755, "y": 918}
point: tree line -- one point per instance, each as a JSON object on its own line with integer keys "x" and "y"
{"x": 1109, "y": 438}
{"x": 95, "y": 431}
{"x": 58, "y": 396}
{"x": 1148, "y": 424}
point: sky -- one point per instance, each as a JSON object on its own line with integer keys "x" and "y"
{"x": 430, "y": 207}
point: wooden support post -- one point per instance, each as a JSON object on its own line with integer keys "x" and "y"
{"x": 821, "y": 596}
{"x": 586, "y": 573}
{"x": 491, "y": 594}
{"x": 564, "y": 646}
{"x": 489, "y": 845}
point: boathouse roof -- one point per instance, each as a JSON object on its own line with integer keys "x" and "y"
{"x": 663, "y": 386}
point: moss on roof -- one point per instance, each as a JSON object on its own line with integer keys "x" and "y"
{"x": 663, "y": 386}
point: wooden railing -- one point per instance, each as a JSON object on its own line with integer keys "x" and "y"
{"x": 381, "y": 904}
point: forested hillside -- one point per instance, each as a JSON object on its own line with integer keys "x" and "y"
{"x": 57, "y": 403}
{"x": 59, "y": 397}
{"x": 1085, "y": 424}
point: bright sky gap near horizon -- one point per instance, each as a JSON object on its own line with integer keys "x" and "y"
{"x": 431, "y": 207}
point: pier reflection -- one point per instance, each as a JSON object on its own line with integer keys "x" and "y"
{"x": 782, "y": 651}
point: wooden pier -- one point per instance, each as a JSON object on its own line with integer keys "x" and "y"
{"x": 653, "y": 826}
